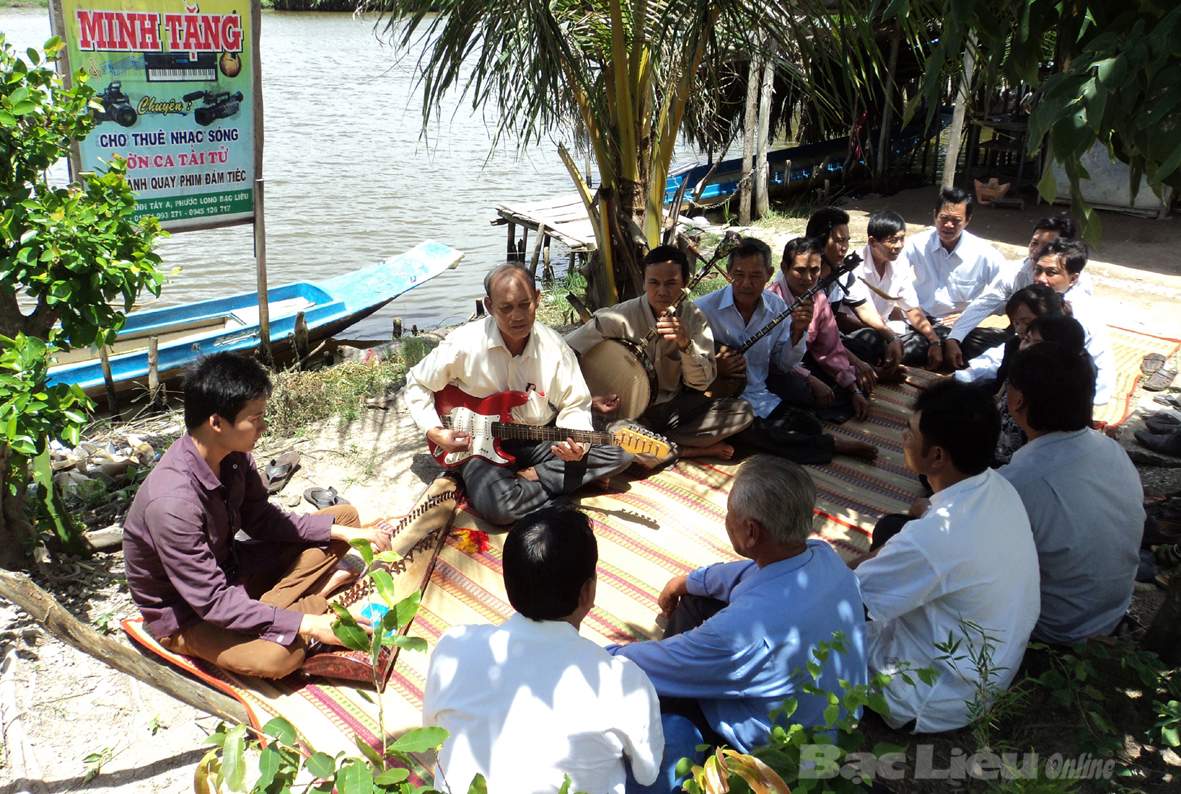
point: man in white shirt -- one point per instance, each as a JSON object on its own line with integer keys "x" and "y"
{"x": 1082, "y": 494}
{"x": 965, "y": 568}
{"x": 951, "y": 268}
{"x": 510, "y": 350}
{"x": 743, "y": 310}
{"x": 528, "y": 702}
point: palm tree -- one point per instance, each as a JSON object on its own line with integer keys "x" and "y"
{"x": 619, "y": 77}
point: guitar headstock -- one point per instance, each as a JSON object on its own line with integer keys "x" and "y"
{"x": 639, "y": 441}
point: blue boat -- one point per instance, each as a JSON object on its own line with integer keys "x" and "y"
{"x": 187, "y": 332}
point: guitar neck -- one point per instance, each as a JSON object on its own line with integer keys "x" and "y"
{"x": 851, "y": 261}
{"x": 515, "y": 432}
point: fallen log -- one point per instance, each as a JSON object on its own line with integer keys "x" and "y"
{"x": 48, "y": 613}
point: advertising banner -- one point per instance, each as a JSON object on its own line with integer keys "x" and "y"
{"x": 175, "y": 82}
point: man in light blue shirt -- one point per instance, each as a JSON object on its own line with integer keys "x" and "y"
{"x": 744, "y": 310}
{"x": 1082, "y": 494}
{"x": 759, "y": 619}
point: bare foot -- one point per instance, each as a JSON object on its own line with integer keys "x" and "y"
{"x": 719, "y": 450}
{"x": 343, "y": 575}
{"x": 529, "y": 474}
{"x": 855, "y": 449}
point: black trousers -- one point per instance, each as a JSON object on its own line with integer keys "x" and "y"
{"x": 887, "y": 527}
{"x": 914, "y": 344}
{"x": 788, "y": 433}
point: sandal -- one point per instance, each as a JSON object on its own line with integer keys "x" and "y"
{"x": 1161, "y": 379}
{"x": 279, "y": 471}
{"x": 1151, "y": 363}
{"x": 324, "y": 497}
{"x": 1170, "y": 400}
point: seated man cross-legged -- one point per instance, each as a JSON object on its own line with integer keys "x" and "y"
{"x": 249, "y": 607}
{"x": 1082, "y": 493}
{"x": 510, "y": 350}
{"x": 682, "y": 355}
{"x": 530, "y": 701}
{"x": 963, "y": 567}
{"x": 741, "y": 633}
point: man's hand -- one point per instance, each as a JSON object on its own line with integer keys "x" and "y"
{"x": 867, "y": 378}
{"x": 860, "y": 405}
{"x": 378, "y": 539}
{"x": 605, "y": 403}
{"x": 935, "y": 355}
{"x": 953, "y": 354}
{"x": 801, "y": 318}
{"x": 821, "y": 393}
{"x": 669, "y": 327}
{"x": 670, "y": 596}
{"x": 570, "y": 450}
{"x": 731, "y": 364}
{"x": 319, "y": 628}
{"x": 449, "y": 440}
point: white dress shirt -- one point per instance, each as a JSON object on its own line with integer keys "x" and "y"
{"x": 1085, "y": 504}
{"x": 945, "y": 282}
{"x": 730, "y": 329}
{"x": 529, "y": 702}
{"x": 971, "y": 557}
{"x": 474, "y": 358}
{"x": 1012, "y": 277}
{"x": 896, "y": 279}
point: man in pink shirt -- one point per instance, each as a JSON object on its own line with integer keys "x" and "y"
{"x": 827, "y": 361}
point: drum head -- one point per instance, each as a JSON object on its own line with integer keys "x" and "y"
{"x": 621, "y": 368}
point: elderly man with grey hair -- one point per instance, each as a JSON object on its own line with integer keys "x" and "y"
{"x": 740, "y": 633}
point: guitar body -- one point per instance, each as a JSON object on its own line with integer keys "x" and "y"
{"x": 726, "y": 386}
{"x": 475, "y": 416}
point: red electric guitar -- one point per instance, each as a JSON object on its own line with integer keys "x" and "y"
{"x": 490, "y": 419}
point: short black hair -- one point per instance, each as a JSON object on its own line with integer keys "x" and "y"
{"x": 800, "y": 245}
{"x": 956, "y": 195}
{"x": 1062, "y": 330}
{"x": 222, "y": 384}
{"x": 962, "y": 419}
{"x": 1062, "y": 223}
{"x": 668, "y": 253}
{"x": 508, "y": 267}
{"x": 748, "y": 247}
{"x": 823, "y": 221}
{"x": 548, "y": 557}
{"x": 1072, "y": 253}
{"x": 884, "y": 224}
{"x": 1057, "y": 385}
{"x": 1040, "y": 299}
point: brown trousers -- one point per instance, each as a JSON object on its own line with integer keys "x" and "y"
{"x": 283, "y": 579}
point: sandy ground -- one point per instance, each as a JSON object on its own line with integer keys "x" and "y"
{"x": 58, "y": 705}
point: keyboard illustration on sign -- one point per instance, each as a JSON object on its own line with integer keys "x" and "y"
{"x": 180, "y": 67}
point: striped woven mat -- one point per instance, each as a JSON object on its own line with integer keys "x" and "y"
{"x": 648, "y": 531}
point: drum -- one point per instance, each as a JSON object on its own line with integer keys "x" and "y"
{"x": 621, "y": 367}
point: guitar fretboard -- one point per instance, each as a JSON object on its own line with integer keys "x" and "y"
{"x": 515, "y": 432}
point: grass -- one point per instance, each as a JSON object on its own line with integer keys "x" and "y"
{"x": 305, "y": 398}
{"x": 24, "y": 3}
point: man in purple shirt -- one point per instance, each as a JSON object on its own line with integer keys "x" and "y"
{"x": 246, "y": 606}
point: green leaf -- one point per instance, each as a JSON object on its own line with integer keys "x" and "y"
{"x": 419, "y": 740}
{"x": 268, "y": 765}
{"x": 407, "y": 608}
{"x": 364, "y": 548}
{"x": 831, "y": 713}
{"x": 368, "y": 752}
{"x": 348, "y": 631}
{"x": 391, "y": 776}
{"x": 280, "y": 729}
{"x": 384, "y": 583}
{"x": 411, "y": 643}
{"x": 354, "y": 778}
{"x": 321, "y": 765}
{"x": 479, "y": 785}
{"x": 1171, "y": 735}
{"x": 233, "y": 759}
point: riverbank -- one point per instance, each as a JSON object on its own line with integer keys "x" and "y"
{"x": 347, "y": 426}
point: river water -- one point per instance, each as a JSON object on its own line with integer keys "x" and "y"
{"x": 349, "y": 179}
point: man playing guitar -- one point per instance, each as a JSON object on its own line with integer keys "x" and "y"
{"x": 509, "y": 350}
{"x": 681, "y": 353}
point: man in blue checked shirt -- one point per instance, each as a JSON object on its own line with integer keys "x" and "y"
{"x": 740, "y": 633}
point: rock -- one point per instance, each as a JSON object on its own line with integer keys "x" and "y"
{"x": 116, "y": 469}
{"x": 106, "y": 538}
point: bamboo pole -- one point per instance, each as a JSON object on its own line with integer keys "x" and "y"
{"x": 750, "y": 121}
{"x": 963, "y": 98}
{"x": 510, "y": 249}
{"x": 109, "y": 383}
{"x": 260, "y": 258}
{"x": 762, "y": 182}
{"x": 537, "y": 246}
{"x": 154, "y": 372}
{"x": 47, "y": 612}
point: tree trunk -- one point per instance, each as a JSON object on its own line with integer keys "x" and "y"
{"x": 1164, "y": 635}
{"x": 888, "y": 106}
{"x": 963, "y": 99}
{"x": 762, "y": 171}
{"x": 16, "y": 531}
{"x": 750, "y": 122}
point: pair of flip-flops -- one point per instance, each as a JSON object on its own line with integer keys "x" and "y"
{"x": 1158, "y": 376}
{"x": 1171, "y": 400}
{"x": 279, "y": 471}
